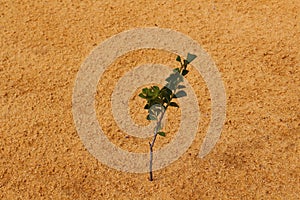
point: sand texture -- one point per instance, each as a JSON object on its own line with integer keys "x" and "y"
{"x": 254, "y": 44}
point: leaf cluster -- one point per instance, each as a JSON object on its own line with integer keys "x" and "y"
{"x": 159, "y": 99}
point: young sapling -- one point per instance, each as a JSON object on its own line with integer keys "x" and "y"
{"x": 159, "y": 99}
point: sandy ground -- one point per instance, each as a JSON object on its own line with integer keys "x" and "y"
{"x": 256, "y": 47}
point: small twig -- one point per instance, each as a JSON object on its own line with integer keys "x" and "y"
{"x": 152, "y": 144}
{"x": 150, "y": 167}
{"x": 156, "y": 96}
{"x": 155, "y": 135}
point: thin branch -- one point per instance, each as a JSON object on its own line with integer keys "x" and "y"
{"x": 153, "y": 142}
{"x": 151, "y": 145}
{"x": 155, "y": 136}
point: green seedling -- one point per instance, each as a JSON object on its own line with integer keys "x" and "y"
{"x": 159, "y": 99}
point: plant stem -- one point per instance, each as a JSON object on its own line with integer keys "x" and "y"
{"x": 151, "y": 145}
{"x": 150, "y": 168}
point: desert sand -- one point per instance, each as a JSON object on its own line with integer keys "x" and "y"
{"x": 254, "y": 44}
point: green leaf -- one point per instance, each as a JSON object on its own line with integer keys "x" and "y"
{"x": 161, "y": 133}
{"x": 181, "y": 87}
{"x": 184, "y": 72}
{"x": 148, "y": 117}
{"x": 142, "y": 96}
{"x": 157, "y": 100}
{"x": 165, "y": 91}
{"x": 180, "y": 94}
{"x": 151, "y": 117}
{"x": 172, "y": 77}
{"x": 176, "y": 70}
{"x": 185, "y": 63}
{"x": 149, "y": 98}
{"x": 151, "y": 112}
{"x": 180, "y": 78}
{"x": 191, "y": 57}
{"x": 167, "y": 99}
{"x": 145, "y": 90}
{"x": 155, "y": 88}
{"x": 178, "y": 59}
{"x": 150, "y": 93}
{"x": 174, "y": 104}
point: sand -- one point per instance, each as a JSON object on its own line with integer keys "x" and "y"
{"x": 255, "y": 46}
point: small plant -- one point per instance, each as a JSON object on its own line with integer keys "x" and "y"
{"x": 158, "y": 100}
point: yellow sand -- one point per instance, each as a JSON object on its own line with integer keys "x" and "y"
{"x": 255, "y": 46}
